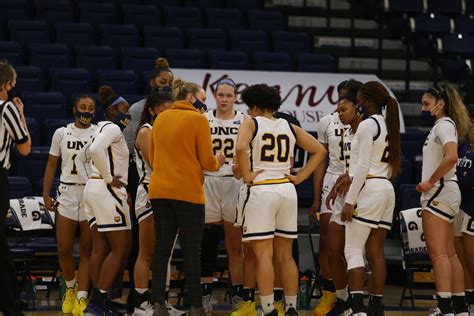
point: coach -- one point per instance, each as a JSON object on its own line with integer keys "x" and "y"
{"x": 13, "y": 131}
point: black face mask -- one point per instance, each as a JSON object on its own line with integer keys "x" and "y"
{"x": 84, "y": 118}
{"x": 11, "y": 94}
{"x": 122, "y": 119}
{"x": 200, "y": 106}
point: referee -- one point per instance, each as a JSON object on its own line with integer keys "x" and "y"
{"x": 13, "y": 132}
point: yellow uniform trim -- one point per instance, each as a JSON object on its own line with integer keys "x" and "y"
{"x": 271, "y": 181}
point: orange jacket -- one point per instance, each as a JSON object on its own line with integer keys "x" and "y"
{"x": 180, "y": 151}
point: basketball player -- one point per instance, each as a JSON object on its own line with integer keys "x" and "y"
{"x": 66, "y": 143}
{"x": 270, "y": 208}
{"x": 329, "y": 132}
{"x": 105, "y": 196}
{"x": 441, "y": 197}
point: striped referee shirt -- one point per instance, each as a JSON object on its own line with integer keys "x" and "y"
{"x": 12, "y": 132}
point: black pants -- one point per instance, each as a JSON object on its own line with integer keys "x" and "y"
{"x": 8, "y": 283}
{"x": 188, "y": 218}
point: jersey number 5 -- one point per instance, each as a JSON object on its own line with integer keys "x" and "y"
{"x": 282, "y": 145}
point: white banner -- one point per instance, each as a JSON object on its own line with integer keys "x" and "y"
{"x": 31, "y": 214}
{"x": 307, "y": 96}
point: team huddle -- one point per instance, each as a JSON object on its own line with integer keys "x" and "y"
{"x": 243, "y": 165}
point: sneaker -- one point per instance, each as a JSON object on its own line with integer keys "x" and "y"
{"x": 326, "y": 303}
{"x": 435, "y": 311}
{"x": 340, "y": 307}
{"x": 173, "y": 311}
{"x": 207, "y": 303}
{"x": 79, "y": 306}
{"x": 291, "y": 311}
{"x": 95, "y": 309}
{"x": 274, "y": 312}
{"x": 375, "y": 310}
{"x": 144, "y": 309}
{"x": 280, "y": 307}
{"x": 68, "y": 300}
{"x": 245, "y": 308}
{"x": 160, "y": 310}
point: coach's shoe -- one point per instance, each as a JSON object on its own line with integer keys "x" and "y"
{"x": 68, "y": 299}
{"x": 327, "y": 302}
{"x": 160, "y": 310}
{"x": 207, "y": 303}
{"x": 79, "y": 306}
{"x": 435, "y": 311}
{"x": 245, "y": 308}
{"x": 172, "y": 310}
{"x": 144, "y": 309}
{"x": 280, "y": 307}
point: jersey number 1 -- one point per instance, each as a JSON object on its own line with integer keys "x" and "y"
{"x": 282, "y": 144}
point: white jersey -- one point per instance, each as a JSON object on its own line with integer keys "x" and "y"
{"x": 109, "y": 153}
{"x": 272, "y": 148}
{"x": 329, "y": 131}
{"x": 369, "y": 154}
{"x": 143, "y": 168}
{"x": 66, "y": 143}
{"x": 224, "y": 139}
{"x": 443, "y": 132}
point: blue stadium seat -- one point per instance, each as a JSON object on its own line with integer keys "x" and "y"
{"x": 273, "y": 61}
{"x": 54, "y": 10}
{"x": 409, "y": 197}
{"x": 404, "y": 6}
{"x": 183, "y": 17}
{"x": 249, "y": 40}
{"x": 96, "y": 57}
{"x": 49, "y": 55}
{"x": 122, "y": 81}
{"x": 454, "y": 70}
{"x": 412, "y": 148}
{"x": 29, "y": 32}
{"x": 464, "y": 24}
{"x": 139, "y": 59}
{"x": 315, "y": 63}
{"x": 206, "y": 38}
{"x": 140, "y": 15}
{"x": 294, "y": 42}
{"x": 34, "y": 130}
{"x": 32, "y": 166}
{"x": 458, "y": 44}
{"x": 14, "y": 9}
{"x": 12, "y": 52}
{"x": 396, "y": 11}
{"x": 19, "y": 187}
{"x": 232, "y": 19}
{"x": 70, "y": 80}
{"x": 453, "y": 7}
{"x": 203, "y": 3}
{"x": 244, "y": 4}
{"x": 157, "y": 37}
{"x": 29, "y": 78}
{"x": 44, "y": 105}
{"x": 117, "y": 36}
{"x": 223, "y": 59}
{"x": 72, "y": 34}
{"x": 164, "y": 3}
{"x": 51, "y": 125}
{"x": 53, "y": 192}
{"x": 469, "y": 7}
{"x": 98, "y": 13}
{"x": 432, "y": 23}
{"x": 266, "y": 20}
{"x": 187, "y": 58}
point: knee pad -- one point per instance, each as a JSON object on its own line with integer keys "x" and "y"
{"x": 209, "y": 249}
{"x": 354, "y": 257}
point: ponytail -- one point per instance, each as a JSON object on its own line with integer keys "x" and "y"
{"x": 456, "y": 110}
{"x": 392, "y": 119}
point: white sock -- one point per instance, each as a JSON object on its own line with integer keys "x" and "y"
{"x": 290, "y": 302}
{"x": 342, "y": 294}
{"x": 70, "y": 284}
{"x": 82, "y": 294}
{"x": 140, "y": 291}
{"x": 357, "y": 292}
{"x": 459, "y": 294}
{"x": 444, "y": 294}
{"x": 102, "y": 291}
{"x": 267, "y": 303}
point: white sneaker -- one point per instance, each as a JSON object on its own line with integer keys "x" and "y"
{"x": 172, "y": 310}
{"x": 207, "y": 303}
{"x": 435, "y": 311}
{"x": 145, "y": 309}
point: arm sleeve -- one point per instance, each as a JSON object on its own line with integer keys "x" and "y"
{"x": 365, "y": 135}
{"x": 206, "y": 157}
{"x": 98, "y": 150}
{"x": 13, "y": 124}
{"x": 321, "y": 129}
{"x": 446, "y": 132}
{"x": 55, "y": 149}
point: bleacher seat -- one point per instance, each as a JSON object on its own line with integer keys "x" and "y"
{"x": 266, "y": 20}
{"x": 32, "y": 166}
{"x": 455, "y": 70}
{"x": 72, "y": 34}
{"x": 404, "y": 6}
{"x": 51, "y": 125}
{"x": 412, "y": 148}
{"x": 49, "y": 55}
{"x": 122, "y": 81}
{"x": 249, "y": 40}
{"x": 96, "y": 57}
{"x": 432, "y": 23}
{"x": 203, "y": 3}
{"x": 139, "y": 59}
{"x": 244, "y": 4}
{"x": 98, "y": 13}
{"x": 29, "y": 78}
{"x": 117, "y": 36}
{"x": 19, "y": 187}
{"x": 397, "y": 11}
{"x": 54, "y": 10}
{"x": 206, "y": 38}
{"x": 44, "y": 105}
{"x": 454, "y": 7}
{"x": 409, "y": 197}
{"x": 469, "y": 7}
{"x": 163, "y": 3}
{"x": 34, "y": 130}
{"x": 187, "y": 58}
{"x": 273, "y": 61}
{"x": 157, "y": 37}
{"x": 222, "y": 59}
{"x": 458, "y": 45}
{"x": 12, "y": 52}
{"x": 307, "y": 62}
{"x": 53, "y": 191}
{"x": 29, "y": 31}
{"x": 464, "y": 24}
{"x": 70, "y": 80}
{"x": 294, "y": 42}
{"x": 140, "y": 15}
{"x": 183, "y": 17}
{"x": 14, "y": 9}
{"x": 232, "y": 19}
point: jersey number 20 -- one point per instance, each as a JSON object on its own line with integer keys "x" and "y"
{"x": 282, "y": 145}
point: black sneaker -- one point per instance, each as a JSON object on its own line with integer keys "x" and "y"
{"x": 340, "y": 307}
{"x": 274, "y": 312}
{"x": 291, "y": 311}
{"x": 375, "y": 310}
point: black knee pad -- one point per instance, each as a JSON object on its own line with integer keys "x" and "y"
{"x": 210, "y": 249}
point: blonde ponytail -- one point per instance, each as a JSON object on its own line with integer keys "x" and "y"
{"x": 456, "y": 110}
{"x": 181, "y": 89}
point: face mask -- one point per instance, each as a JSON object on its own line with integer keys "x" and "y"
{"x": 84, "y": 118}
{"x": 122, "y": 119}
{"x": 11, "y": 94}
{"x": 202, "y": 107}
{"x": 429, "y": 116}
